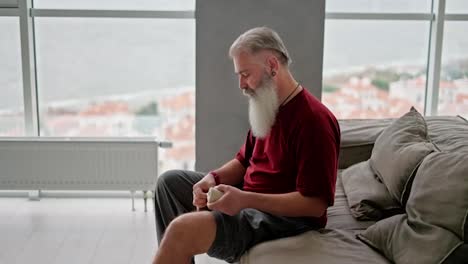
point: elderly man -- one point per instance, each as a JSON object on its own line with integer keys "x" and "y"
{"x": 279, "y": 184}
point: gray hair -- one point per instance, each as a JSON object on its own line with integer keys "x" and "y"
{"x": 258, "y": 39}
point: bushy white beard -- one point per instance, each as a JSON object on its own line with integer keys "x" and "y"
{"x": 263, "y": 107}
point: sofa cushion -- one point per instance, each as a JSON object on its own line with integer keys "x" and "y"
{"x": 401, "y": 241}
{"x": 440, "y": 192}
{"x": 436, "y": 213}
{"x": 368, "y": 198}
{"x": 398, "y": 151}
{"x": 339, "y": 215}
{"x": 322, "y": 246}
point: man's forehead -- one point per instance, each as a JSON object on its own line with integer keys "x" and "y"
{"x": 244, "y": 62}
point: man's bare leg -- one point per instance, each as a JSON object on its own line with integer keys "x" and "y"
{"x": 186, "y": 236}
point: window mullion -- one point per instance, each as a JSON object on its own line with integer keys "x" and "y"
{"x": 28, "y": 69}
{"x": 435, "y": 58}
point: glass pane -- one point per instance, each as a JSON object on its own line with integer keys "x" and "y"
{"x": 456, "y": 6}
{"x": 374, "y": 69}
{"x": 117, "y": 4}
{"x": 11, "y": 86}
{"x": 119, "y": 77}
{"x": 453, "y": 89}
{"x": 379, "y": 6}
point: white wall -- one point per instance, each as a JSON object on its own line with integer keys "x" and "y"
{"x": 221, "y": 109}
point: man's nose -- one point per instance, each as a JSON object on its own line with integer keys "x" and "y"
{"x": 242, "y": 84}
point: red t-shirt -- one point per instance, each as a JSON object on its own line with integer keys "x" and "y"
{"x": 299, "y": 154}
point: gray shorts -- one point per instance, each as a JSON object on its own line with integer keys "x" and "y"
{"x": 236, "y": 234}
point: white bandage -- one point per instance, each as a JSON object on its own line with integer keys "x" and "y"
{"x": 214, "y": 195}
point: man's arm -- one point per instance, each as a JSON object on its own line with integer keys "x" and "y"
{"x": 288, "y": 204}
{"x": 292, "y": 204}
{"x": 231, "y": 173}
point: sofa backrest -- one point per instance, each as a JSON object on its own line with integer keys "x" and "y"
{"x": 448, "y": 133}
{"x": 357, "y": 139}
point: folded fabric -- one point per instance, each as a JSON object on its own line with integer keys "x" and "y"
{"x": 368, "y": 198}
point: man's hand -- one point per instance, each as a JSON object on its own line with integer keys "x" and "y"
{"x": 232, "y": 201}
{"x": 200, "y": 189}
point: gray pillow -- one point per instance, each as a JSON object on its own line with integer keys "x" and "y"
{"x": 368, "y": 198}
{"x": 437, "y": 212}
{"x": 401, "y": 241}
{"x": 440, "y": 192}
{"x": 398, "y": 151}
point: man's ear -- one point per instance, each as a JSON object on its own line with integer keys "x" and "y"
{"x": 272, "y": 64}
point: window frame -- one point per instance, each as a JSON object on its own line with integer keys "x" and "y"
{"x": 26, "y": 12}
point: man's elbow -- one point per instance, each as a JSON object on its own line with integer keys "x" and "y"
{"x": 318, "y": 207}
{"x": 318, "y": 212}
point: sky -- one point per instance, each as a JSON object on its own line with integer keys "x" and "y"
{"x": 82, "y": 58}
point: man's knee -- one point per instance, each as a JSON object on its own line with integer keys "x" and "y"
{"x": 190, "y": 228}
{"x": 189, "y": 223}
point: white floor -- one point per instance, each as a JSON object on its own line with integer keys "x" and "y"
{"x": 77, "y": 230}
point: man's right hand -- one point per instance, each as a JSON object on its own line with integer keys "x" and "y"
{"x": 200, "y": 190}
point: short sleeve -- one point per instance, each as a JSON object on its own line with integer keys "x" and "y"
{"x": 245, "y": 152}
{"x": 316, "y": 152}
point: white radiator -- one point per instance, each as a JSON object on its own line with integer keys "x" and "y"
{"x": 79, "y": 163}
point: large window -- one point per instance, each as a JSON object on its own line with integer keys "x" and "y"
{"x": 374, "y": 69}
{"x": 378, "y": 60}
{"x": 111, "y": 77}
{"x": 104, "y": 69}
{"x": 453, "y": 88}
{"x": 118, "y": 77}
{"x": 11, "y": 88}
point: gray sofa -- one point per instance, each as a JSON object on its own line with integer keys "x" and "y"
{"x": 401, "y": 197}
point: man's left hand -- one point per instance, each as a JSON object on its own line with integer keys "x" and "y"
{"x": 232, "y": 201}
